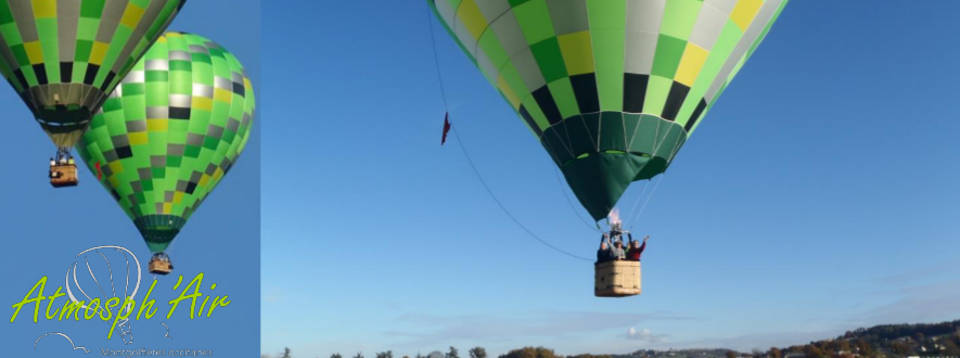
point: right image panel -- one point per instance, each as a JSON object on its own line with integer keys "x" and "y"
{"x": 521, "y": 179}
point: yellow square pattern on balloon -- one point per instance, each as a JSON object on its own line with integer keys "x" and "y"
{"x": 744, "y": 12}
{"x": 469, "y": 13}
{"x": 131, "y": 16}
{"x": 221, "y": 95}
{"x": 157, "y": 125}
{"x": 44, "y": 8}
{"x": 115, "y": 167}
{"x": 137, "y": 138}
{"x": 690, "y": 64}
{"x": 577, "y": 52}
{"x": 201, "y": 103}
{"x": 98, "y": 51}
{"x": 34, "y": 52}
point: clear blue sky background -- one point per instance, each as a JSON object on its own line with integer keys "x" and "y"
{"x": 43, "y": 228}
{"x": 818, "y": 196}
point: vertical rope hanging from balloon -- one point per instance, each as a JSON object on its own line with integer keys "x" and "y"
{"x": 466, "y": 154}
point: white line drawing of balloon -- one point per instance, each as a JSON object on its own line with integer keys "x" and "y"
{"x": 61, "y": 334}
{"x": 166, "y": 330}
{"x": 126, "y": 329}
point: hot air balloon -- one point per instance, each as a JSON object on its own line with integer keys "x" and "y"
{"x": 64, "y": 57}
{"x": 169, "y": 133}
{"x": 611, "y": 88}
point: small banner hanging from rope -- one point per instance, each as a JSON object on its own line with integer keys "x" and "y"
{"x": 446, "y": 127}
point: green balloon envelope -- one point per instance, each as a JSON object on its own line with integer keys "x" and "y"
{"x": 611, "y": 88}
{"x": 64, "y": 57}
{"x": 169, "y": 132}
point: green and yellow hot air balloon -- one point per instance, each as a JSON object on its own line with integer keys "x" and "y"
{"x": 169, "y": 133}
{"x": 611, "y": 88}
{"x": 64, "y": 56}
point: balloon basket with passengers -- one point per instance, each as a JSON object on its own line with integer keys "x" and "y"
{"x": 63, "y": 170}
{"x": 611, "y": 90}
{"x": 617, "y": 271}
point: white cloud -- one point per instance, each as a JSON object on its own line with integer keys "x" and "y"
{"x": 644, "y": 335}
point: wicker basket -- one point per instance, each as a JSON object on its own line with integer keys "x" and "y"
{"x": 63, "y": 175}
{"x": 617, "y": 278}
{"x": 159, "y": 267}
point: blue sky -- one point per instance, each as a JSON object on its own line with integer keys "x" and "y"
{"x": 45, "y": 228}
{"x": 818, "y": 195}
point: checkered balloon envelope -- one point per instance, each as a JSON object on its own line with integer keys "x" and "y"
{"x": 64, "y": 57}
{"x": 611, "y": 88}
{"x": 169, "y": 133}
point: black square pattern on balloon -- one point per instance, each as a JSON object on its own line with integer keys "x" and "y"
{"x": 20, "y": 78}
{"x": 91, "y": 74}
{"x": 179, "y": 113}
{"x": 41, "y": 73}
{"x": 66, "y": 72}
{"x": 547, "y": 105}
{"x": 695, "y": 116}
{"x": 678, "y": 92}
{"x": 106, "y": 81}
{"x": 124, "y": 152}
{"x": 634, "y": 91}
{"x": 529, "y": 119}
{"x": 585, "y": 89}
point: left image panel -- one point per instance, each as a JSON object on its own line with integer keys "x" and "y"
{"x": 130, "y": 201}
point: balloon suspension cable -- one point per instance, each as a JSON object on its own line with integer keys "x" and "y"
{"x": 643, "y": 200}
{"x": 62, "y": 154}
{"x": 596, "y": 226}
{"x": 504, "y": 208}
{"x": 466, "y": 154}
{"x": 636, "y": 203}
{"x": 436, "y": 59}
{"x": 637, "y": 214}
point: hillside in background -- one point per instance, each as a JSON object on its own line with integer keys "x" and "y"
{"x": 891, "y": 340}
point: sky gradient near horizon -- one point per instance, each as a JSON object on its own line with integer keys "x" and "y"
{"x": 818, "y": 195}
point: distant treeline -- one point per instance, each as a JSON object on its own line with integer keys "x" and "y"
{"x": 891, "y": 340}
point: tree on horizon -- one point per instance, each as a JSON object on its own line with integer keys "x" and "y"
{"x": 478, "y": 352}
{"x": 530, "y": 352}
